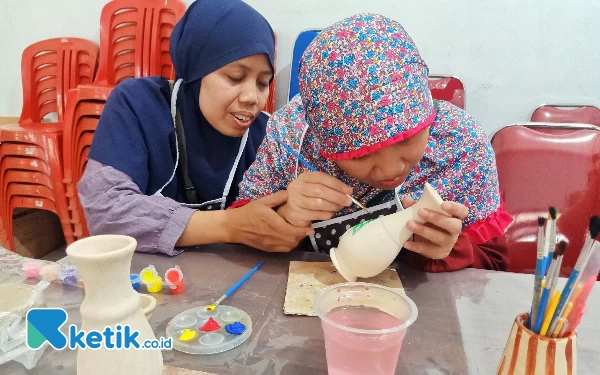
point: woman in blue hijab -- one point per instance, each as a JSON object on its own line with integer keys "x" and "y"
{"x": 167, "y": 157}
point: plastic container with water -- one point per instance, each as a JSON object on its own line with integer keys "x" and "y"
{"x": 364, "y": 326}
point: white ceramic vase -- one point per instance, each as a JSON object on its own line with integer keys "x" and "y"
{"x": 104, "y": 264}
{"x": 368, "y": 248}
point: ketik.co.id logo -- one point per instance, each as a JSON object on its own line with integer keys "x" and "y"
{"x": 44, "y": 325}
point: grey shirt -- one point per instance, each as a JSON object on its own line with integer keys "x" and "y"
{"x": 114, "y": 204}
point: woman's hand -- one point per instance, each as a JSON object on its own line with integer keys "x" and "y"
{"x": 436, "y": 238}
{"x": 314, "y": 196}
{"x": 258, "y": 225}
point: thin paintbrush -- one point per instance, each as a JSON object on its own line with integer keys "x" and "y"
{"x": 552, "y": 215}
{"x": 313, "y": 169}
{"x": 594, "y": 229}
{"x": 537, "y": 286}
{"x": 545, "y": 260}
{"x": 561, "y": 249}
{"x": 546, "y": 309}
{"x": 234, "y": 287}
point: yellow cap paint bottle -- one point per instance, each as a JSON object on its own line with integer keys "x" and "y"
{"x": 150, "y": 277}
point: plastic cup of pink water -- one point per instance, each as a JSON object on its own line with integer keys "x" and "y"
{"x": 364, "y": 326}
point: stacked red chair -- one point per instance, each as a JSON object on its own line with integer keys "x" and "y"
{"x": 134, "y": 39}
{"x": 84, "y": 107}
{"x": 542, "y": 165}
{"x": 582, "y": 114}
{"x": 447, "y": 88}
{"x": 31, "y": 151}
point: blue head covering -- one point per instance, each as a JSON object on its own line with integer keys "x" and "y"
{"x": 135, "y": 133}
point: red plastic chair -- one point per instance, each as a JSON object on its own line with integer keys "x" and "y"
{"x": 84, "y": 107}
{"x": 134, "y": 39}
{"x": 26, "y": 164}
{"x": 542, "y": 165}
{"x": 35, "y": 178}
{"x": 44, "y": 152}
{"x": 447, "y": 88}
{"x": 49, "y": 69}
{"x": 39, "y": 203}
{"x": 582, "y": 114}
{"x": 37, "y": 193}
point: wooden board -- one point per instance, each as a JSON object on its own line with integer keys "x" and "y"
{"x": 307, "y": 278}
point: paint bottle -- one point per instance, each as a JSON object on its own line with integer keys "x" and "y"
{"x": 68, "y": 275}
{"x": 135, "y": 281}
{"x": 174, "y": 277}
{"x": 150, "y": 277}
{"x": 32, "y": 269}
{"x": 49, "y": 272}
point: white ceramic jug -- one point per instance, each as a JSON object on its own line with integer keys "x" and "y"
{"x": 368, "y": 248}
{"x": 104, "y": 264}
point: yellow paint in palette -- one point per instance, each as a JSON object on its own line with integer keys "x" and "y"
{"x": 187, "y": 335}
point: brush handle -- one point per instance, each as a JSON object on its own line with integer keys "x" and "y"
{"x": 541, "y": 310}
{"x": 550, "y": 261}
{"x": 548, "y": 315}
{"x": 564, "y": 296}
{"x": 237, "y": 285}
{"x": 537, "y": 291}
{"x": 300, "y": 158}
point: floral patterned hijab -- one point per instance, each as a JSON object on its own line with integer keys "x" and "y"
{"x": 363, "y": 87}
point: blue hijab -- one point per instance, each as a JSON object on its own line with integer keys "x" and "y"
{"x": 135, "y": 134}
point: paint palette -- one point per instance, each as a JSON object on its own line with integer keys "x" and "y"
{"x": 216, "y": 341}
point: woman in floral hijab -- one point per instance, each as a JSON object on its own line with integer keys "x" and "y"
{"x": 365, "y": 119}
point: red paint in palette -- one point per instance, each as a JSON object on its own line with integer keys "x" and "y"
{"x": 211, "y": 325}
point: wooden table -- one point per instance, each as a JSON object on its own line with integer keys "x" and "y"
{"x": 464, "y": 317}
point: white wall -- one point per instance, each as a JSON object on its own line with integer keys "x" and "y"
{"x": 511, "y": 55}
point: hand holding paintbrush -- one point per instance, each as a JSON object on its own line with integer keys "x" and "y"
{"x": 313, "y": 169}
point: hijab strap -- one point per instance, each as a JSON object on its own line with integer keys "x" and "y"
{"x": 190, "y": 191}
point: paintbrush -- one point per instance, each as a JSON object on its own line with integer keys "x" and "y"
{"x": 552, "y": 215}
{"x": 561, "y": 249}
{"x": 546, "y": 309}
{"x": 594, "y": 230}
{"x": 233, "y": 288}
{"x": 537, "y": 286}
{"x": 313, "y": 169}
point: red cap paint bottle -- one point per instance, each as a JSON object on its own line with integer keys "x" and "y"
{"x": 174, "y": 277}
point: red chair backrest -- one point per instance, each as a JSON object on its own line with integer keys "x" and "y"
{"x": 134, "y": 39}
{"x": 50, "y": 68}
{"x": 582, "y": 114}
{"x": 543, "y": 165}
{"x": 447, "y": 88}
{"x": 81, "y": 97}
